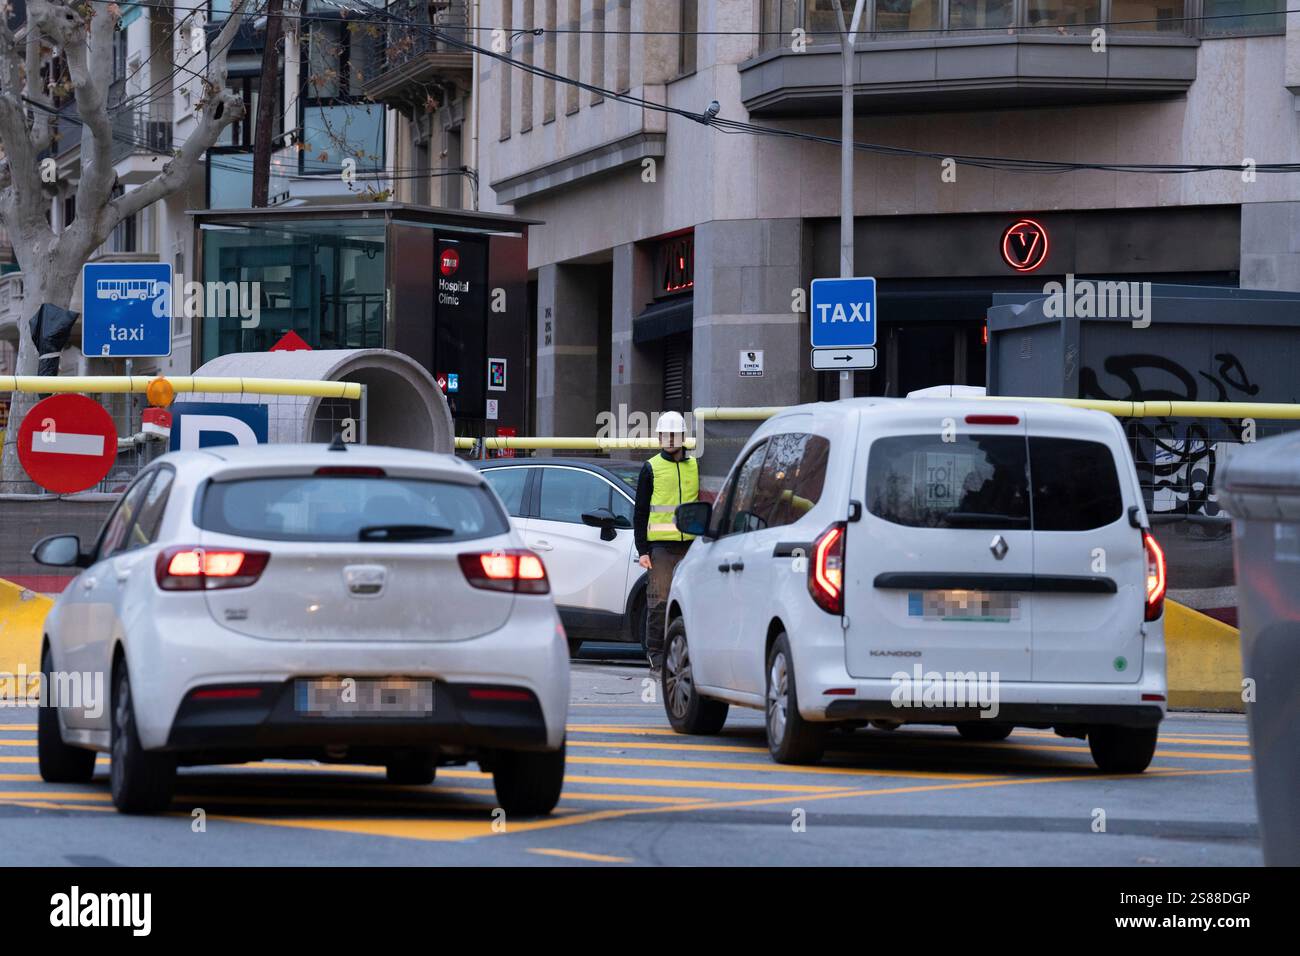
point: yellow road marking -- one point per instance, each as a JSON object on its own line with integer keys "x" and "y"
{"x": 578, "y": 855}
{"x": 59, "y": 794}
{"x": 17, "y": 743}
{"x": 776, "y": 768}
{"x": 8, "y": 727}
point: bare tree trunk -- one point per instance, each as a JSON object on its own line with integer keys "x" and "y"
{"x": 266, "y": 104}
{"x": 43, "y": 282}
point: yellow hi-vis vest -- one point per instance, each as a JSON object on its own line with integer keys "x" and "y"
{"x": 676, "y": 483}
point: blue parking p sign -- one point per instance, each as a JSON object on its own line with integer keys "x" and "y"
{"x": 843, "y": 313}
{"x": 126, "y": 309}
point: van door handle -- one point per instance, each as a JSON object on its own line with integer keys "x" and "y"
{"x": 543, "y": 546}
{"x": 737, "y": 565}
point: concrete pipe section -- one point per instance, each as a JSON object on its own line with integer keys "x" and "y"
{"x": 404, "y": 406}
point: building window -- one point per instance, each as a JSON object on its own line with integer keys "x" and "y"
{"x": 573, "y": 47}
{"x": 597, "y": 48}
{"x": 504, "y": 70}
{"x": 980, "y": 14}
{"x": 335, "y": 121}
{"x": 688, "y": 23}
{"x": 1058, "y": 13}
{"x": 453, "y": 184}
{"x": 909, "y": 15}
{"x": 548, "y": 63}
{"x": 1243, "y": 17}
{"x": 886, "y": 19}
{"x": 525, "y": 77}
{"x": 623, "y": 81}
{"x": 119, "y": 54}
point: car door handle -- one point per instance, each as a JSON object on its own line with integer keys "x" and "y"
{"x": 737, "y": 565}
{"x": 122, "y": 576}
{"x": 724, "y": 567}
{"x": 543, "y": 546}
{"x": 87, "y": 583}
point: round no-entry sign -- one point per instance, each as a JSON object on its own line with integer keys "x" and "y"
{"x": 67, "y": 443}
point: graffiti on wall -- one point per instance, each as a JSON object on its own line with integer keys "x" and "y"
{"x": 1176, "y": 458}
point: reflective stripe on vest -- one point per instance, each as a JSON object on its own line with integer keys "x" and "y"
{"x": 675, "y": 483}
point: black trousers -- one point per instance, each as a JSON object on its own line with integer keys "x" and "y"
{"x": 664, "y": 558}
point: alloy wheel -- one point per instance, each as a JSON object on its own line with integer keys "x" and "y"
{"x": 677, "y": 676}
{"x": 777, "y": 695}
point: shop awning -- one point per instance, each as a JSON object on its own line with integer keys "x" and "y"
{"x": 663, "y": 318}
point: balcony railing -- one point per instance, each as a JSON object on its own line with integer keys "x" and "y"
{"x": 399, "y": 43}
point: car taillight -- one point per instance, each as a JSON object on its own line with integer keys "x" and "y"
{"x": 1155, "y": 577}
{"x": 826, "y": 570}
{"x": 516, "y": 570}
{"x": 190, "y": 568}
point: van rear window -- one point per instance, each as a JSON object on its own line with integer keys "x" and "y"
{"x": 993, "y": 482}
{"x": 975, "y": 481}
{"x": 1076, "y": 484}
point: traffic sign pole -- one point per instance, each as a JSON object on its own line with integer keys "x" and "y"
{"x": 848, "y": 41}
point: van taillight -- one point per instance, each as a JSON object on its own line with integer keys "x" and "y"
{"x": 190, "y": 568}
{"x": 1155, "y": 577}
{"x": 516, "y": 570}
{"x": 826, "y": 570}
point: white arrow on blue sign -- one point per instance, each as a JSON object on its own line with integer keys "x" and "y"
{"x": 843, "y": 313}
{"x": 126, "y": 309}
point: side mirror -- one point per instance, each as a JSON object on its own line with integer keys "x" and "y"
{"x": 60, "y": 551}
{"x": 603, "y": 519}
{"x": 693, "y": 518}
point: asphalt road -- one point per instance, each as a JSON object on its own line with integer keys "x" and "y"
{"x": 638, "y": 794}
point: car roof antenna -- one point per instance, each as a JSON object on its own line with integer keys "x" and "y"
{"x": 338, "y": 444}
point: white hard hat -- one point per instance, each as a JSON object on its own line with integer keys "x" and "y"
{"x": 671, "y": 422}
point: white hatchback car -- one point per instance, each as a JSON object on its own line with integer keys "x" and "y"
{"x": 341, "y": 603}
{"x": 577, "y": 513}
{"x": 925, "y": 560}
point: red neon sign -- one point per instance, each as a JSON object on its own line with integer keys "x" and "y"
{"x": 1024, "y": 245}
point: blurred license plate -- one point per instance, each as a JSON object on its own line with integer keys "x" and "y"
{"x": 348, "y": 697}
{"x": 981, "y": 607}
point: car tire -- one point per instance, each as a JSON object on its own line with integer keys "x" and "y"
{"x": 790, "y": 738}
{"x": 687, "y": 711}
{"x": 528, "y": 783}
{"x": 140, "y": 781}
{"x": 1123, "y": 749}
{"x": 981, "y": 731}
{"x": 575, "y": 647}
{"x": 59, "y": 762}
{"x": 412, "y": 771}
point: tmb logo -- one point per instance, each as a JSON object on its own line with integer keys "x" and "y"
{"x": 1024, "y": 245}
{"x": 449, "y": 262}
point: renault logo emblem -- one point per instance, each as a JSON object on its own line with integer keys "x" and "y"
{"x": 999, "y": 547}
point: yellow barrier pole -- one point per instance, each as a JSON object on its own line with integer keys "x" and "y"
{"x": 58, "y": 384}
{"x": 567, "y": 444}
{"x": 1118, "y": 408}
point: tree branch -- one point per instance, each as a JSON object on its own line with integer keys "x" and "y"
{"x": 222, "y": 108}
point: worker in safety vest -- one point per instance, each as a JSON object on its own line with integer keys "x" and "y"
{"x": 666, "y": 481}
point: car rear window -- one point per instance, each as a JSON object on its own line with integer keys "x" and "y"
{"x": 985, "y": 481}
{"x": 339, "y": 508}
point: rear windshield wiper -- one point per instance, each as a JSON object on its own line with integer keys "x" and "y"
{"x": 403, "y": 532}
